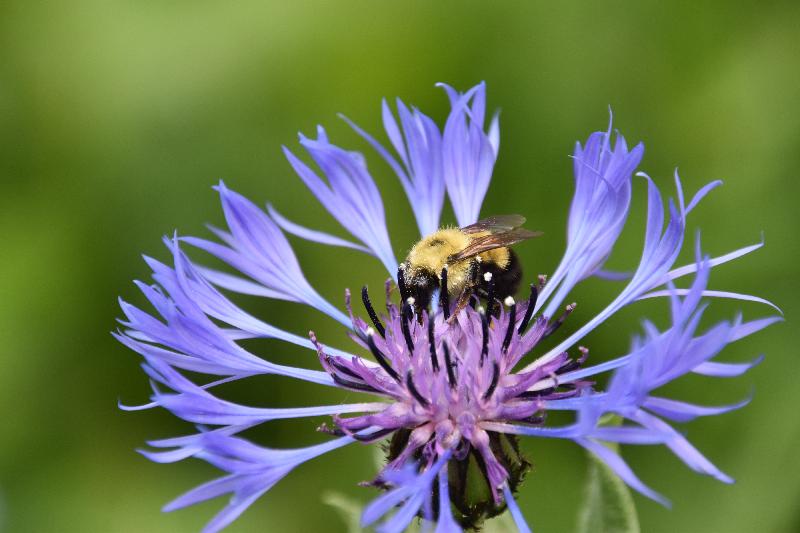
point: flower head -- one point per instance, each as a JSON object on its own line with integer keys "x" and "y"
{"x": 452, "y": 383}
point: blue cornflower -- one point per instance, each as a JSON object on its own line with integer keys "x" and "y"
{"x": 450, "y": 387}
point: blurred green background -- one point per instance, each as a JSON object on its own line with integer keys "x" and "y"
{"x": 116, "y": 117}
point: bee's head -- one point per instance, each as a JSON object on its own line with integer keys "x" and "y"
{"x": 421, "y": 282}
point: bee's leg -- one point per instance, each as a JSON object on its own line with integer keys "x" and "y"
{"x": 464, "y": 299}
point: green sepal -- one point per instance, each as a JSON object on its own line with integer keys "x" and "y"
{"x": 607, "y": 505}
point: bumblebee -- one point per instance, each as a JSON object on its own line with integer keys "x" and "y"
{"x": 468, "y": 260}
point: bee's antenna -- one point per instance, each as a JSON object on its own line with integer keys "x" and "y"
{"x": 371, "y": 312}
{"x": 444, "y": 294}
{"x": 529, "y": 311}
{"x": 512, "y": 322}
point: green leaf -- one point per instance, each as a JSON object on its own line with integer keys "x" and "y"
{"x": 607, "y": 505}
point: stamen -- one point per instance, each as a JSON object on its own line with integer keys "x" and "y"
{"x": 432, "y": 342}
{"x": 405, "y": 318}
{"x": 444, "y": 294}
{"x": 379, "y": 357}
{"x": 401, "y": 282}
{"x": 414, "y": 392}
{"x": 512, "y": 321}
{"x": 348, "y": 305}
{"x": 536, "y": 393}
{"x": 557, "y": 324}
{"x": 485, "y": 332}
{"x": 489, "y": 296}
{"x": 339, "y": 367}
{"x": 448, "y": 363}
{"x": 495, "y": 380}
{"x": 574, "y": 364}
{"x": 375, "y": 435}
{"x": 387, "y": 289}
{"x": 529, "y": 311}
{"x": 371, "y": 311}
{"x": 352, "y": 385}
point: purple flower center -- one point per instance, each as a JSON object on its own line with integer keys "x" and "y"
{"x": 446, "y": 375}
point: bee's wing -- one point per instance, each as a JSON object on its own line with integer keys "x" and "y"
{"x": 495, "y": 224}
{"x": 484, "y": 243}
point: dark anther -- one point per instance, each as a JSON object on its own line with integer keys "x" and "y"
{"x": 485, "y": 332}
{"x": 406, "y": 317}
{"x": 381, "y": 358}
{"x": 512, "y": 321}
{"x": 557, "y": 324}
{"x": 375, "y": 435}
{"x": 371, "y": 312}
{"x": 444, "y": 295}
{"x": 536, "y": 393}
{"x": 489, "y": 296}
{"x": 339, "y": 367}
{"x": 571, "y": 365}
{"x": 535, "y": 419}
{"x": 448, "y": 363}
{"x": 432, "y": 342}
{"x": 414, "y": 392}
{"x": 529, "y": 311}
{"x": 495, "y": 379}
{"x": 352, "y": 385}
{"x": 401, "y": 282}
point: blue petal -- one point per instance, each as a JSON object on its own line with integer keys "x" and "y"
{"x": 411, "y": 489}
{"x": 685, "y": 412}
{"x": 350, "y": 195}
{"x": 258, "y": 248}
{"x": 516, "y": 514}
{"x": 621, "y": 468}
{"x": 420, "y": 149}
{"x": 469, "y": 153}
{"x": 313, "y": 235}
{"x": 446, "y": 523}
{"x": 598, "y": 212}
{"x": 252, "y": 471}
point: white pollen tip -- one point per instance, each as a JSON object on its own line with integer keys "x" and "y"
{"x": 509, "y": 301}
{"x": 370, "y": 332}
{"x": 488, "y": 276}
{"x": 402, "y": 266}
{"x": 479, "y": 259}
{"x": 410, "y": 300}
{"x": 481, "y": 310}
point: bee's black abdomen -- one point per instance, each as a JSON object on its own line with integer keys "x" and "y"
{"x": 506, "y": 280}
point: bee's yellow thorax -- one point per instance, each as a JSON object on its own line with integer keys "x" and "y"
{"x": 433, "y": 251}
